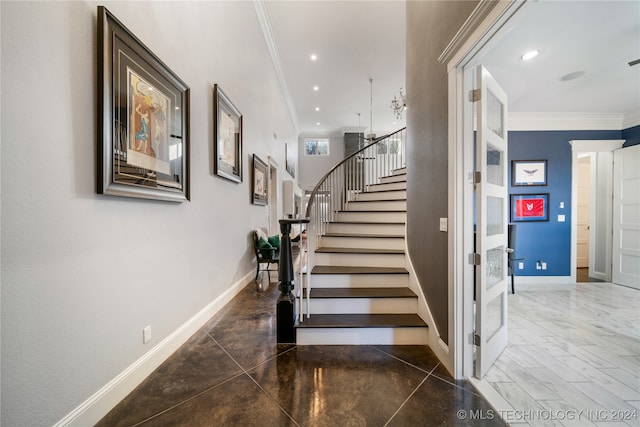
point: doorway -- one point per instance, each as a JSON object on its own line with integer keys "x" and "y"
{"x": 600, "y": 211}
{"x": 584, "y": 216}
{"x": 274, "y": 229}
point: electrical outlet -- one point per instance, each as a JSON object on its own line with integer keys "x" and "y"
{"x": 538, "y": 266}
{"x": 521, "y": 265}
{"x": 146, "y": 334}
{"x": 544, "y": 265}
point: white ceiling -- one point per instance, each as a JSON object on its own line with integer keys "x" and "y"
{"x": 359, "y": 40}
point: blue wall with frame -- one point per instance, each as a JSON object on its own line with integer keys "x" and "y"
{"x": 548, "y": 241}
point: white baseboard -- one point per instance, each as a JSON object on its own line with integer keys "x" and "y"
{"x": 539, "y": 280}
{"x": 436, "y": 343}
{"x": 97, "y": 406}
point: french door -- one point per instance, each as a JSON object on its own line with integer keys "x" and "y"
{"x": 492, "y": 207}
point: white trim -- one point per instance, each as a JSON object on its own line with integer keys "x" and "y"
{"x": 272, "y": 46}
{"x": 630, "y": 120}
{"x": 97, "y": 406}
{"x": 565, "y": 121}
{"x": 577, "y": 147}
{"x": 539, "y": 280}
{"x": 439, "y": 347}
{"x": 470, "y": 25}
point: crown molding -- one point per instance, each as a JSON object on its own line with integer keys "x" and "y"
{"x": 566, "y": 121}
{"x": 265, "y": 24}
{"x": 631, "y": 120}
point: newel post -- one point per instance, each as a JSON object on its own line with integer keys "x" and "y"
{"x": 286, "y": 305}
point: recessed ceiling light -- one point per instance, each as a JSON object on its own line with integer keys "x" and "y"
{"x": 314, "y": 57}
{"x": 317, "y": 108}
{"x": 530, "y": 55}
{"x": 317, "y": 123}
{"x": 572, "y": 76}
{"x": 316, "y": 88}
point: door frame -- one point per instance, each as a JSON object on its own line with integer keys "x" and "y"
{"x": 476, "y": 37}
{"x": 591, "y": 146}
{"x": 274, "y": 228}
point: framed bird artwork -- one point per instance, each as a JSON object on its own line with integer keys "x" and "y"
{"x": 525, "y": 173}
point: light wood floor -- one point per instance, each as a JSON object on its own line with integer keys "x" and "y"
{"x": 573, "y": 358}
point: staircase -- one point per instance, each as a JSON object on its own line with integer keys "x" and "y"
{"x": 358, "y": 290}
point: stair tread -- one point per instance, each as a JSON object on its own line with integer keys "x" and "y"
{"x": 395, "y": 236}
{"x": 362, "y": 321}
{"x": 400, "y": 292}
{"x": 335, "y": 269}
{"x": 367, "y": 223}
{"x": 359, "y": 251}
{"x": 376, "y": 211}
{"x": 377, "y": 200}
{"x": 383, "y": 191}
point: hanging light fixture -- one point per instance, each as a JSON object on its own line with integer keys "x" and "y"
{"x": 399, "y": 105}
{"x": 371, "y": 136}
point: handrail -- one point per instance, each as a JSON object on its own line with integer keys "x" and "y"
{"x": 344, "y": 183}
{"x": 323, "y": 179}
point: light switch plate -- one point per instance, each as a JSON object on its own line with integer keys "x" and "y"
{"x": 443, "y": 224}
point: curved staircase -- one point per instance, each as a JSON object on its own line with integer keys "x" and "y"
{"x": 359, "y": 286}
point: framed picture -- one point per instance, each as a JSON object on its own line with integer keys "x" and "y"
{"x": 528, "y": 172}
{"x": 529, "y": 207}
{"x": 227, "y": 130}
{"x": 260, "y": 182}
{"x": 143, "y": 129}
{"x": 291, "y": 153}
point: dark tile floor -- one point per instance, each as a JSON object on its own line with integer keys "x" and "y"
{"x": 233, "y": 373}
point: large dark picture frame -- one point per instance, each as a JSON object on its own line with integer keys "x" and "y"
{"x": 227, "y": 131}
{"x": 143, "y": 129}
{"x": 259, "y": 182}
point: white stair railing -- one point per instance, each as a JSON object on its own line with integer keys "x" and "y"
{"x": 344, "y": 183}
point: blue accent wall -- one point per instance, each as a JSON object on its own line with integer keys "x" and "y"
{"x": 632, "y": 136}
{"x": 548, "y": 241}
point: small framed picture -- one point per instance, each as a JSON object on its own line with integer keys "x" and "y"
{"x": 227, "y": 130}
{"x": 529, "y": 207}
{"x": 526, "y": 173}
{"x": 260, "y": 182}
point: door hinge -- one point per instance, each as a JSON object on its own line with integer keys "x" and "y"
{"x": 474, "y": 259}
{"x": 476, "y": 340}
{"x": 477, "y": 177}
{"x": 474, "y": 95}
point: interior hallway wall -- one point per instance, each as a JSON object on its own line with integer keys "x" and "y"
{"x": 83, "y": 274}
{"x": 430, "y": 27}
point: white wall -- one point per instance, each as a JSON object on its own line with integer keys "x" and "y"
{"x": 82, "y": 274}
{"x": 312, "y": 168}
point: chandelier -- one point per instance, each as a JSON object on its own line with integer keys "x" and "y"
{"x": 399, "y": 105}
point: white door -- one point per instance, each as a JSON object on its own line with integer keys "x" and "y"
{"x": 626, "y": 216}
{"x": 492, "y": 206}
{"x": 584, "y": 212}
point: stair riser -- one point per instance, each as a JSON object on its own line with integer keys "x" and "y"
{"x": 353, "y": 216}
{"x": 387, "y": 205}
{"x": 393, "y": 178}
{"x": 363, "y": 242}
{"x": 383, "y": 195}
{"x": 399, "y": 171}
{"x": 367, "y": 229}
{"x": 360, "y": 260}
{"x": 362, "y": 336}
{"x": 363, "y": 305}
{"x": 359, "y": 280}
{"x": 391, "y": 186}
